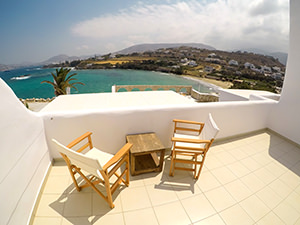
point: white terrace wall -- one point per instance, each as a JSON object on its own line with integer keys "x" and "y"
{"x": 284, "y": 119}
{"x": 110, "y": 127}
{"x": 24, "y": 158}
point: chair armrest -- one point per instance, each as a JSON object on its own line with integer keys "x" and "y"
{"x": 120, "y": 154}
{"x": 79, "y": 139}
{"x": 186, "y": 140}
{"x": 188, "y": 121}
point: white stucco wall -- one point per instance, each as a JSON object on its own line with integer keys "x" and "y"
{"x": 285, "y": 117}
{"x": 24, "y": 158}
{"x": 110, "y": 127}
{"x": 228, "y": 95}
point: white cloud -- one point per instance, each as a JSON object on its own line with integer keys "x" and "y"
{"x": 82, "y": 47}
{"x": 224, "y": 24}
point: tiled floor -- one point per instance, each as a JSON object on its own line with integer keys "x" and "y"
{"x": 253, "y": 179}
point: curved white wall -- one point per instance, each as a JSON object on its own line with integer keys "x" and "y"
{"x": 24, "y": 158}
{"x": 285, "y": 117}
{"x": 110, "y": 127}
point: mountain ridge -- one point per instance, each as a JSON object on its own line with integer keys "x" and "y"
{"x": 152, "y": 47}
{"x": 281, "y": 56}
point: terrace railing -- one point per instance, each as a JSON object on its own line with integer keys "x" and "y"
{"x": 177, "y": 88}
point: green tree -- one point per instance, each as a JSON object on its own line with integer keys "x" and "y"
{"x": 62, "y": 81}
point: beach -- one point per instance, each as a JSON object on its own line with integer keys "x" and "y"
{"x": 215, "y": 83}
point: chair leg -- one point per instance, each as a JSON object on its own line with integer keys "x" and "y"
{"x": 202, "y": 163}
{"x": 127, "y": 170}
{"x": 171, "y": 173}
{"x": 195, "y": 165}
{"x": 75, "y": 181}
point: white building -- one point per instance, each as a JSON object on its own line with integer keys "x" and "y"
{"x": 233, "y": 62}
{"x": 248, "y": 65}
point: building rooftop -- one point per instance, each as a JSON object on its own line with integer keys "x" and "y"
{"x": 116, "y": 100}
{"x": 251, "y": 179}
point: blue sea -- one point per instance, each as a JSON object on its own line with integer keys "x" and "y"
{"x": 26, "y": 82}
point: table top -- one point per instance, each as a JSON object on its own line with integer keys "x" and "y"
{"x": 146, "y": 142}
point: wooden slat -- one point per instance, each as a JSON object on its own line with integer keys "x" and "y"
{"x": 83, "y": 147}
{"x": 79, "y": 139}
{"x": 188, "y": 121}
{"x": 155, "y": 158}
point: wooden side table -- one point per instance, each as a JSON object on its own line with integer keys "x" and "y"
{"x": 144, "y": 153}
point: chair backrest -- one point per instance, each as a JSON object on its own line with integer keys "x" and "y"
{"x": 80, "y": 160}
{"x": 210, "y": 129}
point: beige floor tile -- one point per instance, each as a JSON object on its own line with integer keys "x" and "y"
{"x": 207, "y": 181}
{"x": 213, "y": 162}
{"x": 198, "y": 207}
{"x": 236, "y": 215}
{"x": 249, "y": 193}
{"x": 276, "y": 151}
{"x": 160, "y": 196}
{"x": 135, "y": 198}
{"x": 142, "y": 216}
{"x": 238, "y": 169}
{"x": 262, "y": 158}
{"x": 78, "y": 205}
{"x": 291, "y": 158}
{"x": 109, "y": 219}
{"x": 294, "y": 200}
{"x": 225, "y": 158}
{"x": 238, "y": 190}
{"x": 286, "y": 213}
{"x": 290, "y": 179}
{"x": 179, "y": 174}
{"x": 57, "y": 185}
{"x": 254, "y": 207}
{"x": 296, "y": 168}
{"x": 51, "y": 205}
{"x": 224, "y": 175}
{"x": 213, "y": 220}
{"x": 251, "y": 164}
{"x": 297, "y": 190}
{"x": 252, "y": 182}
{"x": 154, "y": 178}
{"x": 238, "y": 153}
{"x": 280, "y": 188}
{"x": 220, "y": 198}
{"x": 60, "y": 169}
{"x": 77, "y": 220}
{"x": 100, "y": 206}
{"x": 270, "y": 219}
{"x": 265, "y": 175}
{"x": 269, "y": 197}
{"x": 247, "y": 150}
{"x": 171, "y": 213}
{"x": 185, "y": 188}
{"x": 276, "y": 168}
{"x": 136, "y": 181}
{"x": 47, "y": 221}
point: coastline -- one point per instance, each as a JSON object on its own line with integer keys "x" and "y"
{"x": 213, "y": 83}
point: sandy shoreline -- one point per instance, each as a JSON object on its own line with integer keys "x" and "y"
{"x": 214, "y": 83}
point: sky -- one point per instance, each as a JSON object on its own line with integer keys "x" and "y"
{"x": 35, "y": 30}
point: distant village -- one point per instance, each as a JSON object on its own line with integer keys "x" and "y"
{"x": 245, "y": 70}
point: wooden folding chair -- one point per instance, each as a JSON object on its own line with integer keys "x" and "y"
{"x": 101, "y": 165}
{"x": 190, "y": 143}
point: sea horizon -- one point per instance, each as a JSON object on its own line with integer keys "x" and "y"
{"x": 26, "y": 82}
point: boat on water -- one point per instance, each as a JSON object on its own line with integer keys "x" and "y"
{"x": 22, "y": 77}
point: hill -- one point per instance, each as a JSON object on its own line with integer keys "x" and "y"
{"x": 153, "y": 47}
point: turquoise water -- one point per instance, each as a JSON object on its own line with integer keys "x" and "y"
{"x": 29, "y": 84}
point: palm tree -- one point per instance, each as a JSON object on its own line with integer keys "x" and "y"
{"x": 61, "y": 81}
